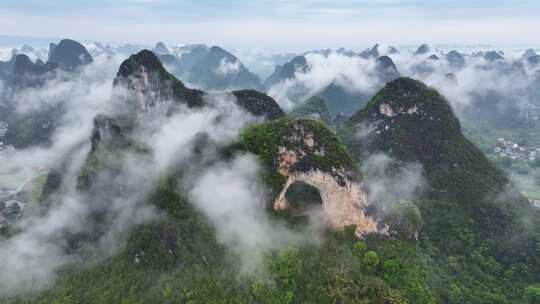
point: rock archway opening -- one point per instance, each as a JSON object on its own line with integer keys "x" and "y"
{"x": 326, "y": 200}
{"x": 304, "y": 200}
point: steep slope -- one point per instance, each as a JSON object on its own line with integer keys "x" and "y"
{"x": 314, "y": 108}
{"x": 143, "y": 83}
{"x": 108, "y": 142}
{"x": 463, "y": 252}
{"x": 455, "y": 60}
{"x": 161, "y": 49}
{"x": 376, "y": 52}
{"x": 314, "y": 156}
{"x": 528, "y": 53}
{"x": 20, "y": 72}
{"x": 426, "y": 67}
{"x": 392, "y": 50}
{"x": 493, "y": 56}
{"x": 144, "y": 86}
{"x": 287, "y": 71}
{"x": 422, "y": 50}
{"x": 189, "y": 55}
{"x": 340, "y": 120}
{"x": 412, "y": 122}
{"x": 341, "y": 94}
{"x": 171, "y": 63}
{"x": 372, "y": 52}
{"x": 534, "y": 60}
{"x": 467, "y": 205}
{"x": 220, "y": 70}
{"x": 69, "y": 54}
{"x": 258, "y": 104}
{"x": 34, "y": 126}
{"x": 340, "y": 100}
{"x": 385, "y": 69}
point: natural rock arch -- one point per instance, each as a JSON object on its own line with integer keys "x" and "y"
{"x": 342, "y": 204}
{"x": 302, "y": 196}
{"x": 304, "y": 150}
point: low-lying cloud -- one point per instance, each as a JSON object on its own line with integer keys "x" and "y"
{"x": 352, "y": 74}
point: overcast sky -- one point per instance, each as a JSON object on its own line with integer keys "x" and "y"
{"x": 278, "y": 24}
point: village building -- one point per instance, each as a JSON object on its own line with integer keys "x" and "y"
{"x": 507, "y": 148}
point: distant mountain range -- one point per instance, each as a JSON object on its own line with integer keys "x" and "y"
{"x": 215, "y": 69}
{"x": 209, "y": 68}
{"x": 338, "y": 95}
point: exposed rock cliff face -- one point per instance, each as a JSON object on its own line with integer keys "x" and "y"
{"x": 306, "y": 151}
{"x": 143, "y": 83}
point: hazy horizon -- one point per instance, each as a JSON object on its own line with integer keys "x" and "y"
{"x": 278, "y": 25}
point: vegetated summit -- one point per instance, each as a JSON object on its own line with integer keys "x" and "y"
{"x": 413, "y": 123}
